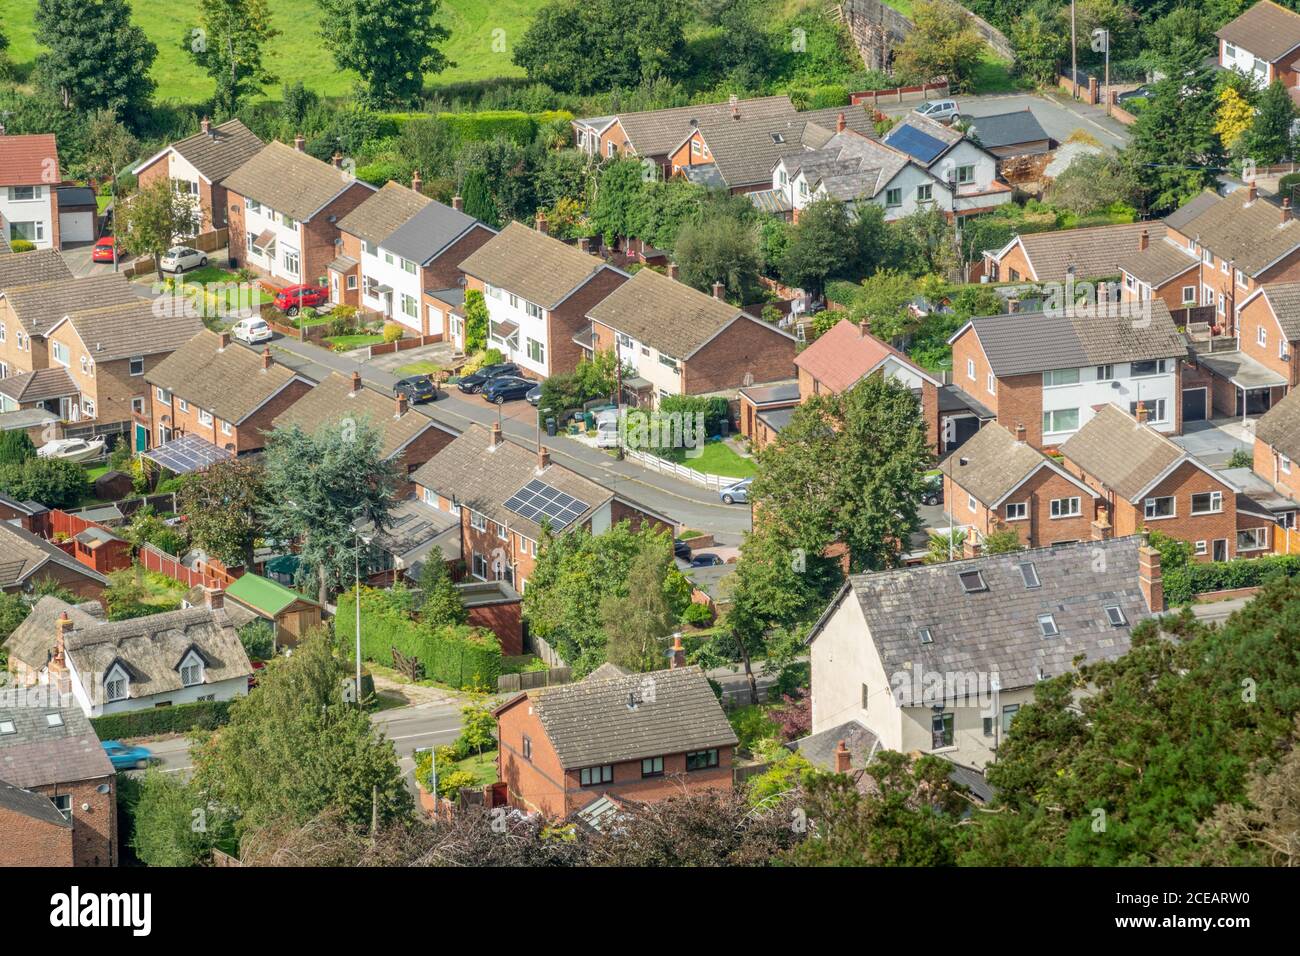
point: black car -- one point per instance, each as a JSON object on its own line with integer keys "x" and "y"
{"x": 417, "y": 388}
{"x": 681, "y": 549}
{"x": 706, "y": 560}
{"x": 932, "y": 491}
{"x": 473, "y": 384}
{"x": 507, "y": 388}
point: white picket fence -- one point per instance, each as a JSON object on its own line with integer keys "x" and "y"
{"x": 655, "y": 463}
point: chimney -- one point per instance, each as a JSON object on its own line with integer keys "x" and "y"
{"x": 401, "y": 406}
{"x": 356, "y": 382}
{"x": 584, "y": 244}
{"x": 843, "y": 759}
{"x": 496, "y": 435}
{"x": 337, "y": 160}
{"x": 458, "y": 203}
{"x": 1144, "y": 240}
{"x": 718, "y": 289}
{"x": 541, "y": 222}
{"x": 679, "y": 653}
{"x": 299, "y": 143}
{"x": 1142, "y": 413}
{"x": 970, "y": 547}
{"x": 1149, "y": 579}
{"x": 543, "y": 458}
{"x": 1286, "y": 210}
{"x": 1101, "y": 526}
{"x": 267, "y": 361}
{"x": 223, "y": 341}
{"x": 62, "y": 626}
{"x": 214, "y": 598}
{"x": 735, "y": 110}
{"x": 672, "y": 271}
{"x": 205, "y": 125}
{"x": 862, "y": 328}
{"x": 1020, "y": 432}
{"x": 1251, "y": 192}
{"x": 416, "y": 181}
{"x": 841, "y": 123}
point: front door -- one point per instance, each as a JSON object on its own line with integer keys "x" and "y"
{"x": 141, "y": 438}
{"x": 1220, "y": 550}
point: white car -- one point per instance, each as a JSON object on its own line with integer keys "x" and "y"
{"x": 180, "y": 259}
{"x": 943, "y": 111}
{"x": 252, "y": 331}
{"x": 607, "y": 432}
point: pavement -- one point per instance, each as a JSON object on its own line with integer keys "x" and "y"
{"x": 1058, "y": 115}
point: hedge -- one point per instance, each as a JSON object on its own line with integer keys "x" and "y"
{"x": 203, "y": 715}
{"x": 1181, "y": 585}
{"x": 460, "y": 656}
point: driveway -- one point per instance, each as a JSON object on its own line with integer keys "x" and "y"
{"x": 1059, "y": 116}
{"x": 1213, "y": 442}
{"x": 440, "y": 353}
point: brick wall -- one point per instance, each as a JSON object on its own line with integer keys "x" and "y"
{"x": 35, "y": 354}
{"x": 1254, "y": 317}
{"x": 746, "y": 347}
{"x": 444, "y": 271}
{"x": 1268, "y": 465}
{"x": 505, "y": 620}
{"x": 94, "y": 831}
{"x": 428, "y": 444}
{"x": 1014, "y": 266}
{"x": 562, "y": 353}
{"x": 321, "y": 231}
{"x": 30, "y": 842}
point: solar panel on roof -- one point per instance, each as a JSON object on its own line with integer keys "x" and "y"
{"x": 920, "y": 146}
{"x": 187, "y": 454}
{"x": 537, "y": 500}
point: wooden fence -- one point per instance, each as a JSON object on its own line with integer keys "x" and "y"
{"x": 529, "y": 680}
{"x": 155, "y": 559}
{"x": 544, "y": 650}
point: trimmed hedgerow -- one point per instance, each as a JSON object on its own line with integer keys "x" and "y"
{"x": 182, "y": 718}
{"x": 1183, "y": 584}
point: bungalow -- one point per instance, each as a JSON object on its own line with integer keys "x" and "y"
{"x": 198, "y": 166}
{"x": 30, "y": 561}
{"x": 29, "y": 181}
{"x": 27, "y": 313}
{"x": 1264, "y": 44}
{"x": 283, "y": 208}
{"x": 644, "y": 737}
{"x": 679, "y": 341}
{"x": 1091, "y": 253}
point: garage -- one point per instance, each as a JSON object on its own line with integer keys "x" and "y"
{"x": 77, "y": 215}
{"x": 1195, "y": 401}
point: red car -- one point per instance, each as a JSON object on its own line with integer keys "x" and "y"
{"x": 103, "y": 251}
{"x": 294, "y": 297}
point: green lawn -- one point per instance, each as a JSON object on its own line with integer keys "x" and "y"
{"x": 345, "y": 343}
{"x": 418, "y": 368}
{"x": 298, "y": 53}
{"x": 482, "y": 766}
{"x": 717, "y": 458}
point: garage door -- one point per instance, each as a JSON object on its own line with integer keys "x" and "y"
{"x": 77, "y": 227}
{"x": 1194, "y": 401}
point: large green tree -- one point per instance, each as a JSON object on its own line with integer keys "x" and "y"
{"x": 227, "y": 44}
{"x": 720, "y": 249}
{"x": 220, "y": 507}
{"x": 822, "y": 245}
{"x": 393, "y": 44}
{"x": 1269, "y": 138}
{"x": 638, "y": 623}
{"x": 149, "y": 221}
{"x": 1175, "y": 152}
{"x": 943, "y": 43}
{"x": 97, "y": 58}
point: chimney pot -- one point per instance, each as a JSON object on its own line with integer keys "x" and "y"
{"x": 223, "y": 341}
{"x": 841, "y": 123}
{"x": 267, "y": 361}
{"x": 543, "y": 458}
{"x": 679, "y": 653}
{"x": 496, "y": 434}
{"x": 416, "y": 181}
{"x": 1020, "y": 432}
{"x": 205, "y": 125}
{"x": 1149, "y": 577}
{"x": 843, "y": 759}
{"x": 1251, "y": 191}
{"x": 299, "y": 143}
{"x": 214, "y": 597}
{"x": 1286, "y": 210}
{"x": 62, "y": 626}
{"x": 356, "y": 382}
{"x": 718, "y": 289}
{"x": 1144, "y": 239}
{"x": 458, "y": 203}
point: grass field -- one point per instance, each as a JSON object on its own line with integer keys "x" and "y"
{"x": 298, "y": 53}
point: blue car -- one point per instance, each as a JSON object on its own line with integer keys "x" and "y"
{"x": 123, "y": 757}
{"x": 507, "y": 388}
{"x": 737, "y": 493}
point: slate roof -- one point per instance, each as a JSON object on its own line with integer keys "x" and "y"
{"x": 288, "y": 181}
{"x": 220, "y": 151}
{"x": 819, "y": 749}
{"x": 771, "y": 394}
{"x": 29, "y": 160}
{"x": 1280, "y": 426}
{"x": 30, "y": 268}
{"x": 996, "y": 630}
{"x": 1249, "y": 234}
{"x": 230, "y": 383}
{"x": 1122, "y": 453}
{"x": 39, "y": 306}
{"x": 1094, "y": 251}
{"x": 1189, "y": 210}
{"x": 37, "y": 806}
{"x": 1007, "y": 129}
{"x": 383, "y": 213}
{"x": 1284, "y": 299}
{"x": 483, "y": 478}
{"x": 1160, "y": 261}
{"x": 607, "y": 671}
{"x": 995, "y": 464}
{"x": 840, "y": 356}
{"x": 333, "y": 400}
{"x": 590, "y": 723}
{"x": 1266, "y": 30}
{"x": 902, "y": 136}
{"x": 430, "y": 231}
{"x": 38, "y": 754}
{"x": 132, "y": 328}
{"x": 531, "y": 264}
{"x": 37, "y": 386}
{"x": 1021, "y": 342}
{"x": 22, "y": 554}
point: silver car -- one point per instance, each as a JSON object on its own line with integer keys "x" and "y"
{"x": 943, "y": 111}
{"x": 737, "y": 493}
{"x": 179, "y": 259}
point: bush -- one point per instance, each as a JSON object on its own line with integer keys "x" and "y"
{"x": 392, "y": 332}
{"x": 1183, "y": 584}
{"x": 21, "y": 245}
{"x": 54, "y": 483}
{"x": 258, "y": 638}
{"x": 700, "y": 615}
{"x": 751, "y": 725}
{"x": 15, "y": 447}
{"x": 182, "y": 718}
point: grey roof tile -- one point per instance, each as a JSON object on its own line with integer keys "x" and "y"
{"x": 38, "y": 754}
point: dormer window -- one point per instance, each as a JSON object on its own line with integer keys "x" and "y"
{"x": 192, "y": 669}
{"x": 117, "y": 685}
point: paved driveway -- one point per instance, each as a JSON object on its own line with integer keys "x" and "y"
{"x": 1059, "y": 116}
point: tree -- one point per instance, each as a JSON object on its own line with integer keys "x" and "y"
{"x": 476, "y": 321}
{"x": 125, "y": 596}
{"x": 1175, "y": 153}
{"x": 944, "y": 545}
{"x": 719, "y": 249}
{"x": 478, "y": 727}
{"x": 318, "y": 487}
{"x": 440, "y": 602}
{"x": 391, "y": 43}
{"x": 149, "y": 221}
{"x": 620, "y": 191}
{"x": 1178, "y": 42}
{"x": 821, "y": 245}
{"x": 478, "y": 199}
{"x": 220, "y": 507}
{"x": 1269, "y": 138}
{"x": 96, "y": 59}
{"x": 1039, "y": 43}
{"x": 1002, "y": 541}
{"x": 16, "y": 447}
{"x": 109, "y": 146}
{"x": 1092, "y": 183}
{"x": 943, "y": 44}
{"x": 883, "y": 303}
{"x": 638, "y": 623}
{"x": 227, "y": 44}
{"x": 51, "y": 481}
{"x": 170, "y": 823}
{"x": 1234, "y": 116}
{"x": 258, "y": 639}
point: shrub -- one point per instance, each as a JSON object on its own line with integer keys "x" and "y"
{"x": 392, "y": 332}
{"x": 179, "y": 719}
{"x": 54, "y": 483}
{"x": 700, "y": 615}
{"x": 15, "y": 447}
{"x": 21, "y": 245}
{"x": 1241, "y": 459}
{"x": 751, "y": 725}
{"x": 1181, "y": 585}
{"x": 258, "y": 638}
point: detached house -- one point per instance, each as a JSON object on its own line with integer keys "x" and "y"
{"x": 219, "y": 391}
{"x": 1051, "y": 371}
{"x": 29, "y": 184}
{"x": 680, "y": 341}
{"x": 27, "y": 313}
{"x": 538, "y": 292}
{"x": 198, "y": 166}
{"x": 938, "y": 658}
{"x": 1268, "y": 331}
{"x": 1264, "y": 44}
{"x": 1149, "y": 483}
{"x": 283, "y": 209}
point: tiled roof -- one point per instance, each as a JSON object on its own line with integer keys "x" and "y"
{"x": 1284, "y": 299}
{"x": 842, "y": 355}
{"x": 37, "y": 806}
{"x": 31, "y": 268}
{"x": 1007, "y": 129}
{"x": 1189, "y": 210}
{"x": 1160, "y": 261}
{"x": 654, "y": 132}
{"x": 991, "y": 463}
{"x": 23, "y": 553}
{"x": 531, "y": 264}
{"x": 430, "y": 231}
{"x": 1250, "y": 234}
{"x": 1266, "y": 30}
{"x": 39, "y": 754}
{"x": 37, "y": 386}
{"x": 995, "y": 631}
{"x": 39, "y": 306}
{"x": 220, "y": 151}
{"x": 383, "y": 213}
{"x": 672, "y": 711}
{"x": 132, "y": 328}
{"x": 1280, "y": 426}
{"x": 1120, "y": 452}
{"x": 230, "y": 383}
{"x": 1095, "y": 251}
{"x": 333, "y": 400}
{"x": 29, "y": 160}
{"x": 288, "y": 181}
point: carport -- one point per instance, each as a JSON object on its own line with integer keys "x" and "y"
{"x": 1253, "y": 381}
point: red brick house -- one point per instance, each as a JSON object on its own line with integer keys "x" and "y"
{"x": 1093, "y": 252}
{"x": 642, "y": 737}
{"x": 1268, "y": 331}
{"x": 1277, "y": 448}
{"x": 1264, "y": 44}
{"x": 36, "y": 833}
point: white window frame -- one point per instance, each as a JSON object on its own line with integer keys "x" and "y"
{"x": 1216, "y": 503}
{"x": 1017, "y": 510}
{"x": 1071, "y": 507}
{"x": 1150, "y": 505}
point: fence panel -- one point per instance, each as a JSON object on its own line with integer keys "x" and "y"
{"x": 664, "y": 467}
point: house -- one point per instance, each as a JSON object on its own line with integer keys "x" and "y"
{"x": 1149, "y": 483}
{"x": 283, "y": 208}
{"x": 1090, "y": 253}
{"x": 644, "y": 737}
{"x": 27, "y": 313}
{"x": 538, "y": 293}
{"x": 107, "y": 353}
{"x": 679, "y": 341}
{"x": 291, "y": 614}
{"x": 999, "y": 482}
{"x": 49, "y": 749}
{"x": 198, "y": 166}
{"x": 766, "y": 409}
{"x": 47, "y": 389}
{"x": 847, "y": 353}
{"x": 938, "y": 658}
{"x": 416, "y": 532}
{"x": 408, "y": 437}
{"x": 1267, "y": 331}
{"x": 29, "y": 181}
{"x": 27, "y": 560}
{"x": 220, "y": 391}
{"x": 31, "y": 268}
{"x": 502, "y": 492}
{"x": 1050, "y": 371}
{"x": 1277, "y": 448}
{"x": 397, "y": 245}
{"x": 112, "y": 667}
{"x": 1264, "y": 44}
{"x": 1017, "y": 133}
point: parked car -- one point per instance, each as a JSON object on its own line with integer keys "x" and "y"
{"x": 706, "y": 560}
{"x": 607, "y": 431}
{"x": 123, "y": 757}
{"x": 507, "y": 388}
{"x": 473, "y": 384}
{"x": 71, "y": 449}
{"x": 417, "y": 388}
{"x": 294, "y": 297}
{"x": 534, "y": 395}
{"x": 681, "y": 549}
{"x": 943, "y": 111}
{"x": 182, "y": 259}
{"x": 252, "y": 331}
{"x": 737, "y": 493}
{"x": 932, "y": 493}
{"x": 103, "y": 250}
